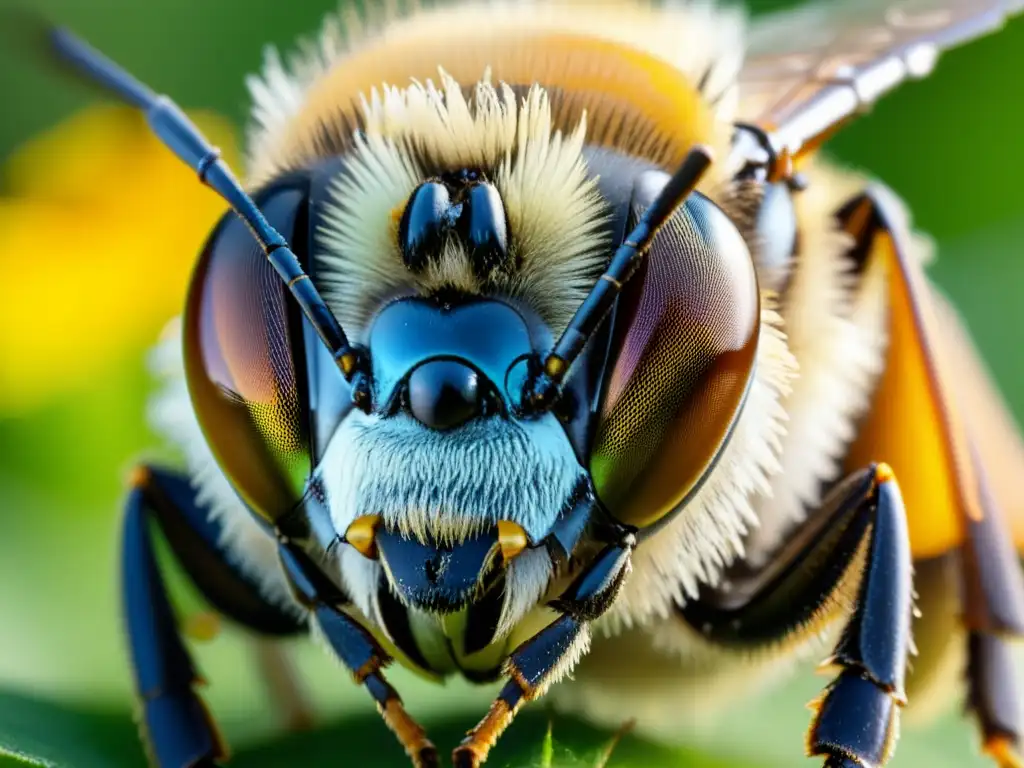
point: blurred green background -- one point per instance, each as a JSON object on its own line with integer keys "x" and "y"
{"x": 93, "y": 261}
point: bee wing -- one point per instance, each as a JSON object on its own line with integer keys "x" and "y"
{"x": 992, "y": 427}
{"x": 936, "y": 416}
{"x": 809, "y": 70}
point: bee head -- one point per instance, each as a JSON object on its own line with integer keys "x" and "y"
{"x": 445, "y": 256}
{"x": 455, "y": 350}
{"x": 458, "y": 239}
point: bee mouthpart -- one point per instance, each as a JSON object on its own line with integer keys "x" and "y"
{"x": 362, "y": 534}
{"x": 441, "y": 576}
{"x": 512, "y": 539}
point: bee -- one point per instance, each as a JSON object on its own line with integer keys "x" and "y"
{"x": 541, "y": 339}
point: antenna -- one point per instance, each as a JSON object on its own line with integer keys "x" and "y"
{"x": 183, "y": 138}
{"x": 542, "y": 391}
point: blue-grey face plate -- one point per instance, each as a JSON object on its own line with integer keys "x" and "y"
{"x": 490, "y": 336}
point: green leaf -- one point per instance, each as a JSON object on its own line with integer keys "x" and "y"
{"x": 8, "y": 757}
{"x": 38, "y": 732}
{"x": 547, "y": 749}
{"x": 364, "y": 742}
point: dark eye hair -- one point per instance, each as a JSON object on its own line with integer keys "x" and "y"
{"x": 684, "y": 346}
{"x": 244, "y": 357}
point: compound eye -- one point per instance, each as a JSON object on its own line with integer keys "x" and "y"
{"x": 243, "y": 355}
{"x": 685, "y": 341}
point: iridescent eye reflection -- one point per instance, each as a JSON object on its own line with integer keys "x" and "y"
{"x": 683, "y": 366}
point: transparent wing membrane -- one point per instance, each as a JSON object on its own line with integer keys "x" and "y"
{"x": 810, "y": 70}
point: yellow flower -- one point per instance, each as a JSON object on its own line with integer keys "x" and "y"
{"x": 99, "y": 229}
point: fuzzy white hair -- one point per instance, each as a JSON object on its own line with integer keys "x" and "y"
{"x": 701, "y": 40}
{"x": 671, "y": 681}
{"x": 707, "y": 535}
{"x": 449, "y": 486}
{"x": 554, "y": 210}
{"x": 836, "y": 326}
{"x": 354, "y": 91}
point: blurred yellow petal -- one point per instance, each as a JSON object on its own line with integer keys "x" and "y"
{"x": 98, "y": 235}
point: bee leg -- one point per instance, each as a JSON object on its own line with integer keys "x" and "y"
{"x": 538, "y": 662}
{"x": 176, "y": 727}
{"x": 359, "y": 652}
{"x": 853, "y": 553}
{"x": 196, "y": 540}
{"x": 993, "y": 613}
{"x": 993, "y": 698}
{"x": 857, "y": 720}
